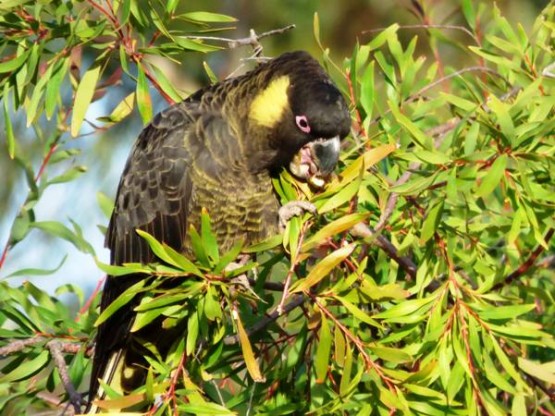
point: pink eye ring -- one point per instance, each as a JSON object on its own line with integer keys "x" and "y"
{"x": 302, "y": 124}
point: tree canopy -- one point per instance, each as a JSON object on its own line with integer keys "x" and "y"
{"x": 425, "y": 283}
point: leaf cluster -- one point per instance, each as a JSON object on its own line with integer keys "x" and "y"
{"x": 423, "y": 286}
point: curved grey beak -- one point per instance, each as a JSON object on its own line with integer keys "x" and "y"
{"x": 316, "y": 160}
{"x": 326, "y": 154}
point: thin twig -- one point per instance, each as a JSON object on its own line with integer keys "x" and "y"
{"x": 296, "y": 301}
{"x": 364, "y": 231}
{"x": 76, "y": 400}
{"x": 524, "y": 267}
{"x": 252, "y": 40}
{"x": 19, "y": 345}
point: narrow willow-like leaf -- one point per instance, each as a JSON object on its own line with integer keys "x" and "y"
{"x": 323, "y": 268}
{"x": 248, "y": 354}
{"x": 144, "y": 102}
{"x": 27, "y": 369}
{"x": 83, "y": 98}
{"x": 323, "y": 351}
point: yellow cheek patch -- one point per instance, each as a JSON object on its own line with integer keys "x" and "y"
{"x": 269, "y": 105}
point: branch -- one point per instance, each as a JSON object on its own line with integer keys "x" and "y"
{"x": 19, "y": 345}
{"x": 364, "y": 231}
{"x": 524, "y": 267}
{"x": 297, "y": 300}
{"x": 252, "y": 40}
{"x": 75, "y": 398}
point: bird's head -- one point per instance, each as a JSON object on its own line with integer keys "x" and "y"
{"x": 303, "y": 114}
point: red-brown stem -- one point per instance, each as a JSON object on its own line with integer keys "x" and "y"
{"x": 352, "y": 97}
{"x": 90, "y": 300}
{"x": 45, "y": 161}
{"x": 524, "y": 267}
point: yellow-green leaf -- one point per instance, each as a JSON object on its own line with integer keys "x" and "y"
{"x": 538, "y": 370}
{"x": 334, "y": 228}
{"x": 83, "y": 97}
{"x": 10, "y": 138}
{"x": 365, "y": 161}
{"x": 323, "y": 351}
{"x": 144, "y": 102}
{"x": 122, "y": 110}
{"x": 27, "y": 368}
{"x": 492, "y": 177}
{"x": 323, "y": 268}
{"x": 248, "y": 354}
{"x": 208, "y": 17}
{"x": 431, "y": 221}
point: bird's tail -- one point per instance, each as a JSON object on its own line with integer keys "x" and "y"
{"x": 120, "y": 377}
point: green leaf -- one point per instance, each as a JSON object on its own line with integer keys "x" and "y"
{"x": 432, "y": 156}
{"x": 228, "y": 257}
{"x": 106, "y": 204}
{"x": 195, "y": 45}
{"x": 208, "y": 237}
{"x": 265, "y": 245}
{"x": 192, "y": 332}
{"x": 11, "y": 65}
{"x": 169, "y": 255}
{"x": 368, "y": 159}
{"x": 323, "y": 351}
{"x": 125, "y": 12}
{"x": 28, "y": 368}
{"x": 120, "y": 301}
{"x": 128, "y": 268}
{"x": 144, "y": 102}
{"x": 465, "y": 105}
{"x": 212, "y": 307}
{"x": 248, "y": 354}
{"x": 383, "y": 36}
{"x": 367, "y": 90}
{"x": 501, "y": 110}
{"x": 493, "y": 177}
{"x": 505, "y": 312}
{"x": 10, "y": 137}
{"x": 71, "y": 174}
{"x": 122, "y": 110}
{"x": 338, "y": 199}
{"x": 166, "y": 85}
{"x": 83, "y": 97}
{"x": 210, "y": 73}
{"x": 59, "y": 230}
{"x": 142, "y": 319}
{"x": 405, "y": 308}
{"x": 431, "y": 221}
{"x": 53, "y": 87}
{"x": 38, "y": 272}
{"x": 207, "y": 17}
{"x": 323, "y": 268}
{"x": 544, "y": 372}
{"x": 417, "y": 134}
{"x": 206, "y": 408}
{"x": 334, "y": 228}
{"x": 495, "y": 376}
{"x": 506, "y": 363}
{"x": 357, "y": 312}
{"x": 198, "y": 247}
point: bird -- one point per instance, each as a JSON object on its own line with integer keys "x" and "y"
{"x": 217, "y": 150}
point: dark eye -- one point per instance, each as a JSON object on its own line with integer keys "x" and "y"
{"x": 302, "y": 124}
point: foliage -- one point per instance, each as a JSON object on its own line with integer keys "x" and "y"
{"x": 423, "y": 286}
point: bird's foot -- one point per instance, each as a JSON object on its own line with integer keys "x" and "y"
{"x": 241, "y": 280}
{"x": 293, "y": 209}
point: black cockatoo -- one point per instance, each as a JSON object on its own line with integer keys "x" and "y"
{"x": 217, "y": 150}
